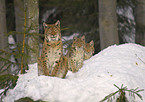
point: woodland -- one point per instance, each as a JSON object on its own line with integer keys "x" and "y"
{"x": 106, "y": 22}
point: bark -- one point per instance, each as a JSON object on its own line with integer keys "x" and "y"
{"x": 33, "y": 24}
{"x": 3, "y": 30}
{"x": 140, "y": 22}
{"x": 19, "y": 21}
{"x": 19, "y": 18}
{"x": 108, "y": 23}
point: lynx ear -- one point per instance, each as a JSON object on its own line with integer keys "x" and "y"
{"x": 74, "y": 38}
{"x": 57, "y": 23}
{"x": 45, "y": 25}
{"x": 91, "y": 43}
{"x": 83, "y": 38}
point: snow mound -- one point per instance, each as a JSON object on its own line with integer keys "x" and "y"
{"x": 122, "y": 64}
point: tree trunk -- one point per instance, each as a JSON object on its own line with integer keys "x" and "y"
{"x": 3, "y": 29}
{"x": 19, "y": 19}
{"x": 140, "y": 22}
{"x": 108, "y": 23}
{"x": 32, "y": 15}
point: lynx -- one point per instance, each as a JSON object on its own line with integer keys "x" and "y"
{"x": 76, "y": 54}
{"x": 89, "y": 50}
{"x": 52, "y": 49}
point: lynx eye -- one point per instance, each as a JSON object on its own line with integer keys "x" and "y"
{"x": 53, "y": 36}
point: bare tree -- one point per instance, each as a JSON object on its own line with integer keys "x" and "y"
{"x": 3, "y": 29}
{"x": 140, "y": 22}
{"x": 108, "y": 23}
{"x": 32, "y": 14}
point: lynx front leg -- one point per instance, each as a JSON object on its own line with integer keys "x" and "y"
{"x": 46, "y": 68}
{"x": 40, "y": 68}
{"x": 62, "y": 67}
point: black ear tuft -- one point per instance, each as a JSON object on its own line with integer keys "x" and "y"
{"x": 45, "y": 25}
{"x": 83, "y": 38}
{"x": 91, "y": 43}
{"x": 57, "y": 23}
{"x": 74, "y": 38}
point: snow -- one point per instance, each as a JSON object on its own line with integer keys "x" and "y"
{"x": 12, "y": 59}
{"x": 129, "y": 35}
{"x": 117, "y": 64}
{"x": 68, "y": 39}
{"x": 47, "y": 14}
{"x": 126, "y": 12}
{"x": 64, "y": 38}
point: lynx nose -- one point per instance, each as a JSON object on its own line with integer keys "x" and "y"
{"x": 53, "y": 36}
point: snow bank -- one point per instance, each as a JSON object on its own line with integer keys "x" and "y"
{"x": 118, "y": 65}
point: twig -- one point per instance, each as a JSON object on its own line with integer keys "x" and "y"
{"x": 140, "y": 59}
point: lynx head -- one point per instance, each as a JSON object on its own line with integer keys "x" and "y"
{"x": 78, "y": 43}
{"x": 89, "y": 49}
{"x": 52, "y": 31}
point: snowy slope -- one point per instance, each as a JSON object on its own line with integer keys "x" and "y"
{"x": 123, "y": 64}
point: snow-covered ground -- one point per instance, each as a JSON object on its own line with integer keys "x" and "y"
{"x": 122, "y": 64}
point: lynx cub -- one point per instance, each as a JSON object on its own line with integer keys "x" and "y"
{"x": 51, "y": 51}
{"x": 89, "y": 50}
{"x": 76, "y": 54}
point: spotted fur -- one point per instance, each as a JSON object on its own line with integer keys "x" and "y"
{"x": 89, "y": 50}
{"x": 61, "y": 68}
{"x": 76, "y": 54}
{"x": 52, "y": 49}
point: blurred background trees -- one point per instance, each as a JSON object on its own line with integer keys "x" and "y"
{"x": 19, "y": 22}
{"x": 3, "y": 30}
{"x": 19, "y": 18}
{"x": 32, "y": 27}
{"x": 139, "y": 13}
{"x": 108, "y": 22}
